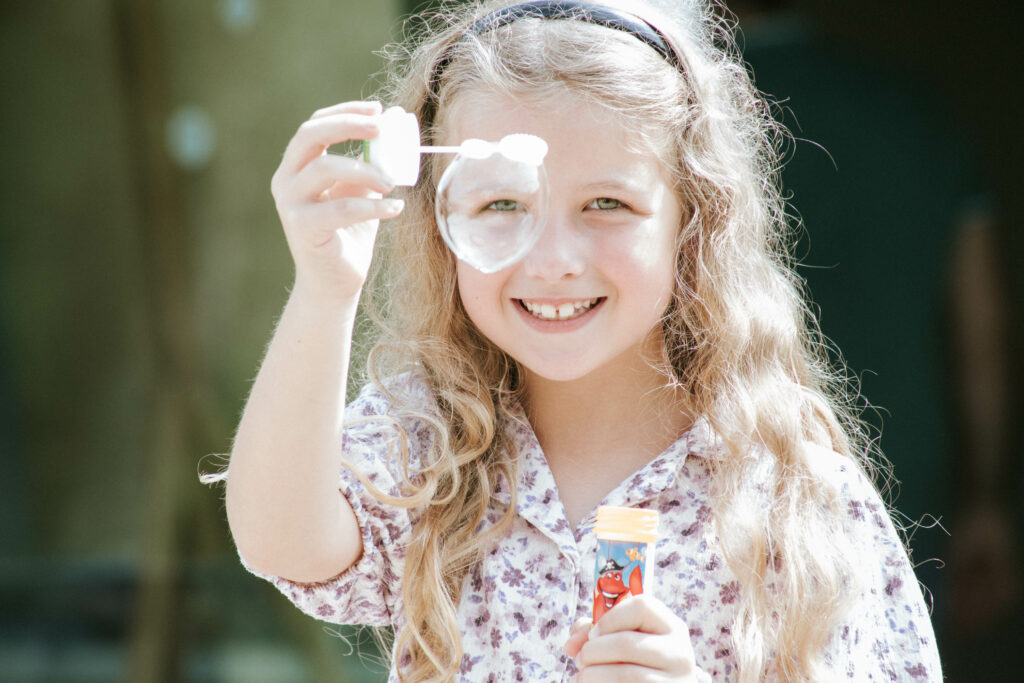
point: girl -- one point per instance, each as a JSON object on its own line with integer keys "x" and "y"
{"x": 651, "y": 350}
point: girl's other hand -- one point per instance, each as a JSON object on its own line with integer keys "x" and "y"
{"x": 639, "y": 639}
{"x": 330, "y": 205}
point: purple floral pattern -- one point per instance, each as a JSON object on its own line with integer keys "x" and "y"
{"x": 519, "y": 602}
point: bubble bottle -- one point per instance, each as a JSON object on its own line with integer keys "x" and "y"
{"x": 625, "y": 549}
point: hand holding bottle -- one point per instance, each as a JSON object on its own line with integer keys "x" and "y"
{"x": 639, "y": 639}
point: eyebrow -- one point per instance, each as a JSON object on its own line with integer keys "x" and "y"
{"x": 614, "y": 186}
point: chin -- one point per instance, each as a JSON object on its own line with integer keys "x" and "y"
{"x": 565, "y": 371}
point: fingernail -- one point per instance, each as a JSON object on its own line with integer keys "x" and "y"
{"x": 594, "y": 633}
{"x": 393, "y": 206}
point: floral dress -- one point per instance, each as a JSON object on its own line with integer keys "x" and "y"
{"x": 517, "y": 605}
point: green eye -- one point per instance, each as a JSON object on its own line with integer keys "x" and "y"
{"x": 605, "y": 204}
{"x": 504, "y": 205}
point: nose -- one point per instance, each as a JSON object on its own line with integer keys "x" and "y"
{"x": 559, "y": 254}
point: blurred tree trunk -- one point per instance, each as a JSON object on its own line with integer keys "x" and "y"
{"x": 165, "y": 253}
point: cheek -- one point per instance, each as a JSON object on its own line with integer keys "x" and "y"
{"x": 478, "y": 292}
{"x": 467, "y": 292}
{"x": 655, "y": 278}
{"x": 646, "y": 258}
{"x": 665, "y": 243}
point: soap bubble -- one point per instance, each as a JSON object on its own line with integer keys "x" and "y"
{"x": 492, "y": 201}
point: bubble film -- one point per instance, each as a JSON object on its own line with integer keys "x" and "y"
{"x": 492, "y": 201}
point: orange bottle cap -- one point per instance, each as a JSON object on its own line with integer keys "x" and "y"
{"x": 627, "y": 524}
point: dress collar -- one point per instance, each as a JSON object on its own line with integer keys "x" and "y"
{"x": 537, "y": 491}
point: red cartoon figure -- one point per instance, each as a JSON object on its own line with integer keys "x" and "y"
{"x": 625, "y": 543}
{"x": 611, "y": 589}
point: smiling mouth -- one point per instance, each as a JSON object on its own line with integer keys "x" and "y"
{"x": 565, "y": 311}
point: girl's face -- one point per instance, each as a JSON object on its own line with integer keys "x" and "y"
{"x": 590, "y": 294}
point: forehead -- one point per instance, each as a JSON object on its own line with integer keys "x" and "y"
{"x": 581, "y": 134}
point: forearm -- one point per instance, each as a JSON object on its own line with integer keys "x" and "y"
{"x": 285, "y": 511}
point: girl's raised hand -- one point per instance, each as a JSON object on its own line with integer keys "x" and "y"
{"x": 330, "y": 205}
{"x": 639, "y": 639}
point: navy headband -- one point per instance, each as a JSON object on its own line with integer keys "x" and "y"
{"x": 589, "y": 12}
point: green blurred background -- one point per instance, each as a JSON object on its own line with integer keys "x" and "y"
{"x": 142, "y": 268}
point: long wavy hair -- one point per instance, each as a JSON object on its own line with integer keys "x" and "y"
{"x": 740, "y": 340}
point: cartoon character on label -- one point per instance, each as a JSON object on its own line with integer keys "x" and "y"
{"x": 611, "y": 589}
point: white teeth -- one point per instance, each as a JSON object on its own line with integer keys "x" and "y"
{"x": 564, "y": 311}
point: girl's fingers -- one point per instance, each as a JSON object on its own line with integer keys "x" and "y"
{"x": 618, "y": 674}
{"x": 637, "y": 613}
{"x": 329, "y": 170}
{"x": 316, "y": 135}
{"x": 342, "y": 213}
{"x": 366, "y": 108}
{"x": 639, "y": 631}
{"x": 661, "y": 653}
{"x": 577, "y": 636}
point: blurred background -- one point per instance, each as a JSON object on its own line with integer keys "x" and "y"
{"x": 142, "y": 268}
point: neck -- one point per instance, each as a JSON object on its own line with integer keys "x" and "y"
{"x": 627, "y": 411}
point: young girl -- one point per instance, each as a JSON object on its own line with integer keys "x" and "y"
{"x": 651, "y": 350}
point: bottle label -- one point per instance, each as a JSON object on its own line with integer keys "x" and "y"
{"x": 621, "y": 570}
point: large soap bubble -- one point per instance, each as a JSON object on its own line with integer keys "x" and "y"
{"x": 492, "y": 200}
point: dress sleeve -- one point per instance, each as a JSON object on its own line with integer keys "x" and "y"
{"x": 369, "y": 592}
{"x": 888, "y": 635}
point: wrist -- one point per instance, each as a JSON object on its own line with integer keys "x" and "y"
{"x": 324, "y": 300}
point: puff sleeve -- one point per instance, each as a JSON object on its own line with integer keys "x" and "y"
{"x": 369, "y": 592}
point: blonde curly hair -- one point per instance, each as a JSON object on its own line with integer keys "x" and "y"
{"x": 740, "y": 340}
